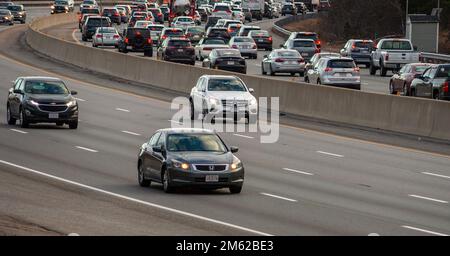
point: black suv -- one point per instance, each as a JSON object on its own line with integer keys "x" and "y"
{"x": 136, "y": 39}
{"x": 91, "y": 25}
{"x": 177, "y": 50}
{"x": 18, "y": 12}
{"x": 41, "y": 100}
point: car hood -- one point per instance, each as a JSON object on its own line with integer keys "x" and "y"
{"x": 203, "y": 157}
{"x": 231, "y": 95}
{"x": 49, "y": 98}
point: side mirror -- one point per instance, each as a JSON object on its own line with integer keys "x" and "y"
{"x": 234, "y": 149}
{"x": 74, "y": 92}
{"x": 415, "y": 47}
{"x": 265, "y": 56}
{"x": 157, "y": 149}
{"x": 17, "y": 91}
{"x": 250, "y": 90}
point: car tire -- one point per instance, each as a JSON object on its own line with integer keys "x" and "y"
{"x": 192, "y": 110}
{"x": 11, "y": 120}
{"x": 373, "y": 70}
{"x": 262, "y": 70}
{"x": 94, "y": 45}
{"x": 293, "y": 74}
{"x": 83, "y": 38}
{"x": 271, "y": 73}
{"x": 383, "y": 70}
{"x": 73, "y": 125}
{"x": 167, "y": 187}
{"x": 23, "y": 120}
{"x": 405, "y": 90}
{"x": 319, "y": 82}
{"x": 391, "y": 88}
{"x": 143, "y": 182}
{"x": 148, "y": 53}
{"x": 413, "y": 92}
{"x": 306, "y": 79}
{"x": 235, "y": 189}
{"x": 436, "y": 95}
{"x": 301, "y": 74}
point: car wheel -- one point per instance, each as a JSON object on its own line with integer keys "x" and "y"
{"x": 293, "y": 74}
{"x": 301, "y": 74}
{"x": 235, "y": 189}
{"x": 23, "y": 120}
{"x": 262, "y": 70}
{"x": 83, "y": 38}
{"x": 148, "y": 53}
{"x": 143, "y": 182}
{"x": 168, "y": 188}
{"x": 192, "y": 111}
{"x": 413, "y": 92}
{"x": 373, "y": 70}
{"x": 306, "y": 79}
{"x": 383, "y": 70}
{"x": 436, "y": 95}
{"x": 271, "y": 73}
{"x": 405, "y": 90}
{"x": 11, "y": 120}
{"x": 73, "y": 125}
{"x": 94, "y": 45}
{"x": 391, "y": 88}
{"x": 319, "y": 82}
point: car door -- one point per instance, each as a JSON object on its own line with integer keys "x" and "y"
{"x": 157, "y": 159}
{"x": 314, "y": 72}
{"x": 424, "y": 82}
{"x": 146, "y": 155}
{"x": 198, "y": 94}
{"x": 399, "y": 78}
{"x": 427, "y": 86}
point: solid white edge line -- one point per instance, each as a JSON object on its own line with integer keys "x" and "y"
{"x": 137, "y": 200}
{"x": 19, "y": 131}
{"x": 123, "y": 110}
{"x": 330, "y": 154}
{"x": 87, "y": 149}
{"x": 297, "y": 171}
{"x": 424, "y": 230}
{"x": 131, "y": 133}
{"x": 429, "y": 198}
{"x": 243, "y": 136}
{"x": 279, "y": 197}
{"x": 437, "y": 175}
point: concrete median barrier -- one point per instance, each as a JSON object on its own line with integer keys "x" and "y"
{"x": 419, "y": 117}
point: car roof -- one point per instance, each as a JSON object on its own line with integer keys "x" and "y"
{"x": 303, "y": 39}
{"x": 244, "y": 27}
{"x": 186, "y": 130}
{"x": 44, "y": 78}
{"x": 337, "y": 58}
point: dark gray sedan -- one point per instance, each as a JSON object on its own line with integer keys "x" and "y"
{"x": 6, "y": 17}
{"x": 189, "y": 157}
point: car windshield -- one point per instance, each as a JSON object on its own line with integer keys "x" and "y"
{"x": 95, "y": 11}
{"x": 307, "y": 36}
{"x": 16, "y": 8}
{"x": 259, "y": 33}
{"x": 107, "y": 30}
{"x": 228, "y": 53}
{"x": 226, "y": 85}
{"x": 172, "y": 32}
{"x": 185, "y": 19}
{"x": 341, "y": 64}
{"x": 195, "y": 142}
{"x": 443, "y": 71}
{"x": 195, "y": 30}
{"x": 61, "y": 3}
{"x": 304, "y": 44}
{"x": 213, "y": 41}
{"x": 97, "y": 22}
{"x": 88, "y": 2}
{"x": 46, "y": 87}
{"x": 396, "y": 45}
{"x": 179, "y": 43}
{"x": 364, "y": 45}
{"x": 289, "y": 54}
{"x": 421, "y": 69}
{"x": 218, "y": 33}
{"x": 139, "y": 31}
{"x": 155, "y": 28}
{"x": 223, "y": 8}
{"x": 243, "y": 40}
{"x": 109, "y": 11}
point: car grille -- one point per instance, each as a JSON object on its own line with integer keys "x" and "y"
{"x": 53, "y": 108}
{"x": 239, "y": 103}
{"x": 215, "y": 168}
{"x": 60, "y": 8}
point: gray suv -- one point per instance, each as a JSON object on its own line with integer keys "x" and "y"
{"x": 338, "y": 72}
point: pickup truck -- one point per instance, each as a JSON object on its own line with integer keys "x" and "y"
{"x": 392, "y": 54}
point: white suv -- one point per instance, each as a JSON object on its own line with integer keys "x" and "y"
{"x": 223, "y": 95}
{"x": 222, "y": 10}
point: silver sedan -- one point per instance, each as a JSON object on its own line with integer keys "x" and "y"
{"x": 105, "y": 36}
{"x": 283, "y": 61}
{"x": 246, "y": 45}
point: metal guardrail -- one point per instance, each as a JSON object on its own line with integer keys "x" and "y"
{"x": 425, "y": 56}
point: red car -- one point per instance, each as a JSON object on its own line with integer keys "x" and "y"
{"x": 401, "y": 81}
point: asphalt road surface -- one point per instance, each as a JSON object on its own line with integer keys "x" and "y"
{"x": 308, "y": 183}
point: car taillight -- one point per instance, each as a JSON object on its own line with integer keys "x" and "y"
{"x": 116, "y": 36}
{"x": 356, "y": 69}
{"x": 99, "y": 36}
{"x": 149, "y": 41}
{"x": 234, "y": 46}
{"x": 116, "y": 14}
{"x": 317, "y": 50}
{"x": 270, "y": 39}
{"x": 164, "y": 37}
{"x": 318, "y": 42}
{"x": 445, "y": 87}
{"x": 159, "y": 14}
{"x": 215, "y": 11}
{"x": 207, "y": 49}
{"x": 279, "y": 60}
{"x": 254, "y": 46}
{"x": 386, "y": 58}
{"x": 300, "y": 60}
{"x": 328, "y": 69}
{"x": 126, "y": 40}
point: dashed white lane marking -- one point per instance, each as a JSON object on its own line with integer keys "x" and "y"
{"x": 243, "y": 136}
{"x": 429, "y": 198}
{"x": 425, "y": 231}
{"x": 437, "y": 175}
{"x": 87, "y": 149}
{"x": 131, "y": 133}
{"x": 123, "y": 110}
{"x": 19, "y": 131}
{"x": 136, "y": 200}
{"x": 297, "y": 171}
{"x": 329, "y": 154}
{"x": 279, "y": 197}
{"x": 78, "y": 99}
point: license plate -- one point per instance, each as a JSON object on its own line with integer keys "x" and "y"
{"x": 292, "y": 62}
{"x": 230, "y": 62}
{"x": 304, "y": 54}
{"x": 180, "y": 50}
{"x": 212, "y": 178}
{"x": 260, "y": 40}
{"x": 53, "y": 115}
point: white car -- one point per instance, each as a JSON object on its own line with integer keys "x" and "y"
{"x": 206, "y": 45}
{"x": 105, "y": 36}
{"x": 88, "y": 4}
{"x": 220, "y": 95}
{"x": 183, "y": 22}
{"x": 239, "y": 16}
{"x": 246, "y": 45}
{"x": 222, "y": 10}
{"x": 143, "y": 23}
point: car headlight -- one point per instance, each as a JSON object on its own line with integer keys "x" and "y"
{"x": 52, "y": 7}
{"x": 214, "y": 101}
{"x": 180, "y": 165}
{"x": 236, "y": 165}
{"x": 71, "y": 103}
{"x": 32, "y": 102}
{"x": 253, "y": 102}
{"x": 6, "y": 18}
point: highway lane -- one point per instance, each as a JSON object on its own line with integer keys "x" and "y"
{"x": 370, "y": 83}
{"x": 356, "y": 188}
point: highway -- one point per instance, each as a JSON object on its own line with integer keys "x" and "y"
{"x": 308, "y": 183}
{"x": 377, "y": 84}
